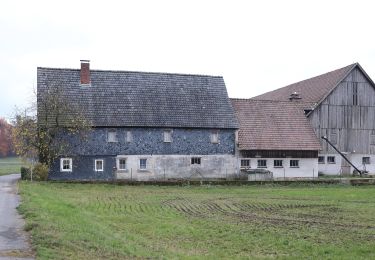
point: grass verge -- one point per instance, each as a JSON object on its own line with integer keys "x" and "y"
{"x": 92, "y": 221}
{"x": 9, "y": 165}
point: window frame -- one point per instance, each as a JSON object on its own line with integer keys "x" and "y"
{"x": 115, "y": 140}
{"x": 70, "y": 160}
{"x": 366, "y": 160}
{"x": 278, "y": 166}
{"x": 140, "y": 164}
{"x": 245, "y": 166}
{"x": 261, "y": 166}
{"x": 118, "y": 163}
{"x": 95, "y": 165}
{"x": 195, "y": 160}
{"x": 214, "y": 137}
{"x": 167, "y": 136}
{"x": 331, "y": 162}
{"x": 294, "y": 162}
{"x": 323, "y": 161}
{"x": 129, "y": 136}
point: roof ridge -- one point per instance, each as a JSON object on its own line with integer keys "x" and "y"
{"x": 135, "y": 71}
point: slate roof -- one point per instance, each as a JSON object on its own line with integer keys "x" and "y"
{"x": 273, "y": 125}
{"x": 143, "y": 99}
{"x": 312, "y": 91}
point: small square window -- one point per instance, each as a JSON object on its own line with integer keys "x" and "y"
{"x": 112, "y": 136}
{"x": 278, "y": 163}
{"x": 262, "y": 163}
{"x": 129, "y": 137}
{"x": 121, "y": 164}
{"x": 195, "y": 160}
{"x": 294, "y": 163}
{"x": 66, "y": 164}
{"x": 167, "y": 136}
{"x": 321, "y": 159}
{"x": 99, "y": 165}
{"x": 143, "y": 164}
{"x": 365, "y": 160}
{"x": 331, "y": 159}
{"x": 245, "y": 163}
{"x": 214, "y": 137}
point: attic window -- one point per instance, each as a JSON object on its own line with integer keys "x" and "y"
{"x": 112, "y": 136}
{"x": 129, "y": 137}
{"x": 167, "y": 136}
{"x": 214, "y": 137}
{"x": 355, "y": 94}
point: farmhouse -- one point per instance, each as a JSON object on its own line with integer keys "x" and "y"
{"x": 276, "y": 135}
{"x": 339, "y": 105}
{"x": 145, "y": 125}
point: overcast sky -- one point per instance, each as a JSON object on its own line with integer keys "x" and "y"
{"x": 256, "y": 45}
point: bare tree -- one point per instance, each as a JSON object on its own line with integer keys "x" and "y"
{"x": 41, "y": 130}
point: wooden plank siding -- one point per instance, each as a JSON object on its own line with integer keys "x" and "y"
{"x": 347, "y": 115}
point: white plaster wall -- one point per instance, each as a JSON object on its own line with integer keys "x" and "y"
{"x": 356, "y": 159}
{"x": 308, "y": 167}
{"x": 331, "y": 168}
{"x": 179, "y": 167}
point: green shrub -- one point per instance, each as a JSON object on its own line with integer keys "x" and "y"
{"x": 40, "y": 172}
{"x": 25, "y": 173}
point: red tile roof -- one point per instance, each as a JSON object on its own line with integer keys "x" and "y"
{"x": 312, "y": 91}
{"x": 273, "y": 125}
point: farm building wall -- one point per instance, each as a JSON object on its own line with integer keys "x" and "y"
{"x": 307, "y": 164}
{"x": 347, "y": 118}
{"x": 164, "y": 159}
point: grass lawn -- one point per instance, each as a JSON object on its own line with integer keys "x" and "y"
{"x": 10, "y": 165}
{"x": 97, "y": 221}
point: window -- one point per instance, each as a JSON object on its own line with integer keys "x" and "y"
{"x": 321, "y": 159}
{"x": 333, "y": 138}
{"x": 66, "y": 164}
{"x": 331, "y": 159}
{"x": 214, "y": 137}
{"x": 245, "y": 163}
{"x": 294, "y": 163}
{"x": 355, "y": 94}
{"x": 112, "y": 136}
{"x": 121, "y": 164}
{"x": 143, "y": 164}
{"x": 129, "y": 137}
{"x": 167, "y": 136}
{"x": 99, "y": 165}
{"x": 372, "y": 137}
{"x": 278, "y": 163}
{"x": 195, "y": 160}
{"x": 365, "y": 160}
{"x": 262, "y": 163}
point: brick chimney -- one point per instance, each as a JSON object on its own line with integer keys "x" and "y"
{"x": 85, "y": 72}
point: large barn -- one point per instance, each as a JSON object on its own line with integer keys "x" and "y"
{"x": 339, "y": 105}
{"x": 145, "y": 125}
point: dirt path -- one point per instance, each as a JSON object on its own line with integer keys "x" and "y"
{"x": 13, "y": 240}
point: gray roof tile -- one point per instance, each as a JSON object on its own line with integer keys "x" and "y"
{"x": 126, "y": 98}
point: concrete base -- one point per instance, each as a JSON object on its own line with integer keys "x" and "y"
{"x": 160, "y": 167}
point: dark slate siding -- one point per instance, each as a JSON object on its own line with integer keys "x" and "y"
{"x": 84, "y": 169}
{"x": 148, "y": 141}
